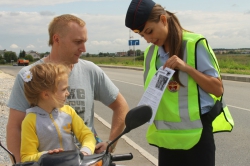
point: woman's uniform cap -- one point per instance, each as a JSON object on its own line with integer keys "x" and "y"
{"x": 138, "y": 14}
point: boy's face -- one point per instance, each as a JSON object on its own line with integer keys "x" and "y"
{"x": 62, "y": 91}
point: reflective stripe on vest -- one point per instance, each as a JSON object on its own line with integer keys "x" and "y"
{"x": 185, "y": 121}
{"x": 177, "y": 123}
{"x": 167, "y": 131}
{"x": 147, "y": 61}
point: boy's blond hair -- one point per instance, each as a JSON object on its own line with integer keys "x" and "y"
{"x": 45, "y": 77}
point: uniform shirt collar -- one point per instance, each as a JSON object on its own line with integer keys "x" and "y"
{"x": 162, "y": 53}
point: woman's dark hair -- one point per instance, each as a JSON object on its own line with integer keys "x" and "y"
{"x": 175, "y": 30}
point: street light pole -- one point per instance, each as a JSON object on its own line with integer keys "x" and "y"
{"x": 134, "y": 55}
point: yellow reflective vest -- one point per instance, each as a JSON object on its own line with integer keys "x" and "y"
{"x": 177, "y": 123}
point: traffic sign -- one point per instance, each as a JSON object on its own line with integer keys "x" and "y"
{"x": 133, "y": 42}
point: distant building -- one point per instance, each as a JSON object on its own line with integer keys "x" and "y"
{"x": 34, "y": 54}
{"x": 121, "y": 53}
{"x": 2, "y": 52}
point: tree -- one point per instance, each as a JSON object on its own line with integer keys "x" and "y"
{"x": 9, "y": 55}
{"x": 29, "y": 57}
{"x": 100, "y": 54}
{"x": 138, "y": 52}
{"x": 2, "y": 61}
{"x": 130, "y": 52}
{"x": 22, "y": 54}
{"x": 43, "y": 54}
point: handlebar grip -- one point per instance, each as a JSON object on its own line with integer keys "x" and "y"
{"x": 122, "y": 157}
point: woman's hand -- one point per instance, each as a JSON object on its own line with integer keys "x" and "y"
{"x": 208, "y": 83}
{"x": 175, "y": 62}
{"x": 55, "y": 151}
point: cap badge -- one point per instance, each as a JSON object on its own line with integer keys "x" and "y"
{"x": 173, "y": 86}
{"x": 136, "y": 31}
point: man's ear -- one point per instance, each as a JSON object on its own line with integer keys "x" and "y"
{"x": 163, "y": 19}
{"x": 56, "y": 38}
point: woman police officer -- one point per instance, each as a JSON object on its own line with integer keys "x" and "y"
{"x": 189, "y": 113}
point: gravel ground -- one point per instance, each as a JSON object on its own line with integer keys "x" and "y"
{"x": 6, "y": 83}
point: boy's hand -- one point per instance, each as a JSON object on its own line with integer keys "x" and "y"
{"x": 85, "y": 154}
{"x": 55, "y": 151}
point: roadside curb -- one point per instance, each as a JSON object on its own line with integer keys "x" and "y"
{"x": 236, "y": 77}
{"x": 231, "y": 77}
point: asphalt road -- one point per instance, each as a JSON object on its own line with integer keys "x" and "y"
{"x": 231, "y": 148}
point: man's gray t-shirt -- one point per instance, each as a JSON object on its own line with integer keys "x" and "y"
{"x": 87, "y": 82}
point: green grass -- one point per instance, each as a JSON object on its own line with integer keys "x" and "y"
{"x": 119, "y": 61}
{"x": 229, "y": 63}
{"x": 234, "y": 64}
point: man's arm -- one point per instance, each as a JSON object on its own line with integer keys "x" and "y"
{"x": 120, "y": 109}
{"x": 13, "y": 134}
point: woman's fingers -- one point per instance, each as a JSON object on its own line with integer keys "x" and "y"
{"x": 175, "y": 62}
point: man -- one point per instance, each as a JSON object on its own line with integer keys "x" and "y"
{"x": 87, "y": 82}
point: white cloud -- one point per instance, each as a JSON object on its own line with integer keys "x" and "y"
{"x": 107, "y": 33}
{"x": 41, "y": 40}
{"x": 222, "y": 29}
{"x": 14, "y": 46}
{"x": 1, "y": 47}
{"x": 106, "y": 43}
{"x": 34, "y": 2}
{"x": 23, "y": 23}
{"x": 30, "y": 46}
{"x": 19, "y": 3}
{"x": 120, "y": 41}
{"x": 100, "y": 43}
{"x": 47, "y": 13}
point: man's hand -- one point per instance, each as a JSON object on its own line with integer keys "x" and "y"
{"x": 100, "y": 147}
{"x": 120, "y": 109}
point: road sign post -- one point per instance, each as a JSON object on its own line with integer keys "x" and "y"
{"x": 134, "y": 43}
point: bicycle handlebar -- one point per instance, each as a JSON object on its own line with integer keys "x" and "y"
{"x": 122, "y": 157}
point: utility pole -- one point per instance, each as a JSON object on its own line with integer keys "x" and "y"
{"x": 130, "y": 47}
{"x": 130, "y": 38}
{"x": 132, "y": 43}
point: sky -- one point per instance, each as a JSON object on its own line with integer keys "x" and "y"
{"x": 24, "y": 23}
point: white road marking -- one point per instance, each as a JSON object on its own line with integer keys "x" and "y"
{"x": 131, "y": 143}
{"x": 127, "y": 82}
{"x": 239, "y": 108}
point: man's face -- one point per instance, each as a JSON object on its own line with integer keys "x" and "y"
{"x": 72, "y": 43}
